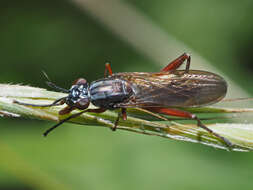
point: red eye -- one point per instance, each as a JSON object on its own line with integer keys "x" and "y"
{"x": 80, "y": 81}
{"x": 82, "y": 103}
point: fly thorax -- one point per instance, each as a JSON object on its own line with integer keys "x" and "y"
{"x": 107, "y": 93}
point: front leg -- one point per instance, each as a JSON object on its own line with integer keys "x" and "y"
{"x": 99, "y": 110}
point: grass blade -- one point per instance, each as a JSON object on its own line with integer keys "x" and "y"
{"x": 241, "y": 135}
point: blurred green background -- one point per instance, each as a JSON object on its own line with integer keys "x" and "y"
{"x": 67, "y": 42}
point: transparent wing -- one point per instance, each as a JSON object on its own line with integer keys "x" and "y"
{"x": 177, "y": 89}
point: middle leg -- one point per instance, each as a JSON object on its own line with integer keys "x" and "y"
{"x": 122, "y": 114}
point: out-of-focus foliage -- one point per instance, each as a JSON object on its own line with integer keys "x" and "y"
{"x": 67, "y": 43}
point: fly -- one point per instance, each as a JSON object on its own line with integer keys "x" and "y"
{"x": 161, "y": 92}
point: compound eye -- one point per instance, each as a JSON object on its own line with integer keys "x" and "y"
{"x": 82, "y": 103}
{"x": 80, "y": 81}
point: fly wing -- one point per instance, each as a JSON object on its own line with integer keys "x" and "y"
{"x": 177, "y": 89}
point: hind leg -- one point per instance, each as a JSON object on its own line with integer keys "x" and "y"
{"x": 185, "y": 114}
{"x": 108, "y": 69}
{"x": 174, "y": 65}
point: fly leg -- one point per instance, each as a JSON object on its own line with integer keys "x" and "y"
{"x": 122, "y": 114}
{"x": 66, "y": 110}
{"x": 108, "y": 69}
{"x": 174, "y": 65}
{"x": 99, "y": 110}
{"x": 184, "y": 114}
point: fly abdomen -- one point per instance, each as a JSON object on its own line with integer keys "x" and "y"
{"x": 106, "y": 93}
